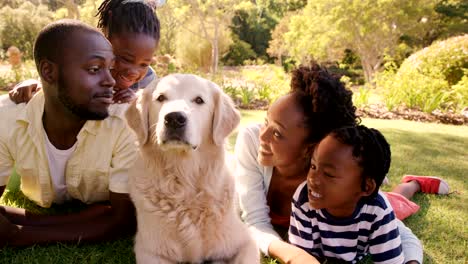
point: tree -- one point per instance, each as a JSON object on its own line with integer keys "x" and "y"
{"x": 212, "y": 16}
{"x": 371, "y": 28}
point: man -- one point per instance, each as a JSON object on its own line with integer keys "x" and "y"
{"x": 66, "y": 143}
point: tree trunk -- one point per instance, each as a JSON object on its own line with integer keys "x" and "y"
{"x": 215, "y": 51}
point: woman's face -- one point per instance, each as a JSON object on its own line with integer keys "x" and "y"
{"x": 133, "y": 55}
{"x": 283, "y": 136}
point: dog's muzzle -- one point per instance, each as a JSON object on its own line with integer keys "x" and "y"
{"x": 175, "y": 120}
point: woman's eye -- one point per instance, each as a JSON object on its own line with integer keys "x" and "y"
{"x": 276, "y": 134}
{"x": 313, "y": 167}
{"x": 198, "y": 100}
{"x": 93, "y": 69}
{"x": 161, "y": 98}
{"x": 328, "y": 175}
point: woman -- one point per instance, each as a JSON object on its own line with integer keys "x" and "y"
{"x": 133, "y": 29}
{"x": 273, "y": 159}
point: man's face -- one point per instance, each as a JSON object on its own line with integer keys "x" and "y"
{"x": 84, "y": 80}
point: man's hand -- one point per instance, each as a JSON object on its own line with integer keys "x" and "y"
{"x": 124, "y": 96}
{"x": 24, "y": 91}
{"x": 7, "y": 230}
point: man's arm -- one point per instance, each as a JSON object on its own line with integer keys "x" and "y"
{"x": 96, "y": 223}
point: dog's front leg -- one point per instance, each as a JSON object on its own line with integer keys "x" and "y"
{"x": 248, "y": 254}
{"x": 144, "y": 257}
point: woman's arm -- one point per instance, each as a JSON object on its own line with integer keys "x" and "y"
{"x": 251, "y": 188}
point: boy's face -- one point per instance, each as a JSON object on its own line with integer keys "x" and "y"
{"x": 84, "y": 81}
{"x": 334, "y": 178}
{"x": 134, "y": 53}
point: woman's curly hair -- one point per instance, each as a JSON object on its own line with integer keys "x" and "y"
{"x": 323, "y": 99}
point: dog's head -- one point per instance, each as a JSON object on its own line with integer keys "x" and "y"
{"x": 182, "y": 111}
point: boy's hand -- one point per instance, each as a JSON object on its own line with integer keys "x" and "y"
{"x": 24, "y": 91}
{"x": 124, "y": 96}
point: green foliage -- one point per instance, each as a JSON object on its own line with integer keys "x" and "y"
{"x": 194, "y": 51}
{"x": 370, "y": 28}
{"x": 433, "y": 78}
{"x": 19, "y": 27}
{"x": 27, "y": 70}
{"x": 239, "y": 51}
{"x": 361, "y": 97}
{"x": 270, "y": 81}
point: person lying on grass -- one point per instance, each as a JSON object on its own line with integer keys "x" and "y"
{"x": 272, "y": 159}
{"x": 67, "y": 144}
{"x": 132, "y": 28}
{"x": 338, "y": 212}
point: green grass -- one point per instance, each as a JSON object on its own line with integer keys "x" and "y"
{"x": 3, "y": 92}
{"x": 417, "y": 148}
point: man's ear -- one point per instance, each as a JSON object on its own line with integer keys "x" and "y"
{"x": 48, "y": 71}
{"x": 369, "y": 186}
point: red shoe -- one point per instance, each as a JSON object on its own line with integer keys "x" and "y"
{"x": 429, "y": 184}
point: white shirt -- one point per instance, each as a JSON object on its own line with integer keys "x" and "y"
{"x": 57, "y": 163}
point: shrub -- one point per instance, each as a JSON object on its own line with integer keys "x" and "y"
{"x": 19, "y": 27}
{"x": 361, "y": 97}
{"x": 432, "y": 78}
{"x": 269, "y": 81}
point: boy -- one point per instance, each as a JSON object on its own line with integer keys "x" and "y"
{"x": 339, "y": 212}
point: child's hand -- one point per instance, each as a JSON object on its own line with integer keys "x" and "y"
{"x": 124, "y": 96}
{"x": 24, "y": 91}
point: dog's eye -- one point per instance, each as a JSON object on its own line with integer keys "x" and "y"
{"x": 198, "y": 100}
{"x": 161, "y": 98}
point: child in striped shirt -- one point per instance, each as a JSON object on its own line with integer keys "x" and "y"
{"x": 339, "y": 213}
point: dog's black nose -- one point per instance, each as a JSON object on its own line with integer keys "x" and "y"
{"x": 175, "y": 120}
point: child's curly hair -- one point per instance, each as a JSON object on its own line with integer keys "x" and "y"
{"x": 125, "y": 16}
{"x": 324, "y": 100}
{"x": 370, "y": 150}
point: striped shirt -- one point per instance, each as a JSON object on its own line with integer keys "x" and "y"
{"x": 372, "y": 229}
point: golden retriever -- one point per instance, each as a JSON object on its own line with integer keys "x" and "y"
{"x": 180, "y": 184}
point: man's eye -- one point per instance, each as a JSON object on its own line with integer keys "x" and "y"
{"x": 198, "y": 100}
{"x": 161, "y": 98}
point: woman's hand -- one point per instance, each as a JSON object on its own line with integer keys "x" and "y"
{"x": 24, "y": 91}
{"x": 290, "y": 254}
{"x": 124, "y": 96}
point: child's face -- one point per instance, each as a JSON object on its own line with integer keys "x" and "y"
{"x": 134, "y": 53}
{"x": 282, "y": 138}
{"x": 334, "y": 178}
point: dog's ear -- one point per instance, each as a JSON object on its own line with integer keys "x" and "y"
{"x": 225, "y": 117}
{"x": 137, "y": 114}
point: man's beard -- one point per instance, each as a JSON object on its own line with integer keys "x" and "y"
{"x": 80, "y": 111}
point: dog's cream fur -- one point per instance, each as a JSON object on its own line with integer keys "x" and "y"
{"x": 181, "y": 187}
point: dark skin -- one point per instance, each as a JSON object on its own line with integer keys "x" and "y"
{"x": 85, "y": 70}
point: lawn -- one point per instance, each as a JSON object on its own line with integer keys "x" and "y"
{"x": 417, "y": 148}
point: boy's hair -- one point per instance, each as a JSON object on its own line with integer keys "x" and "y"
{"x": 126, "y": 16}
{"x": 323, "y": 99}
{"x": 49, "y": 43}
{"x": 371, "y": 151}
